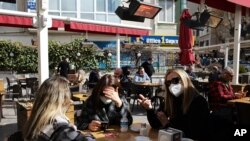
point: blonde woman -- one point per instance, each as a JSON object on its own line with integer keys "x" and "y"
{"x": 48, "y": 113}
{"x": 184, "y": 109}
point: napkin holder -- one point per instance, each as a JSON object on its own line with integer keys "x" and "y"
{"x": 169, "y": 134}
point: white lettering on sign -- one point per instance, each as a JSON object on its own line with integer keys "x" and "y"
{"x": 167, "y": 41}
{"x": 240, "y": 132}
{"x": 152, "y": 40}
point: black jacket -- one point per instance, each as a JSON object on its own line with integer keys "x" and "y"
{"x": 194, "y": 123}
{"x": 149, "y": 69}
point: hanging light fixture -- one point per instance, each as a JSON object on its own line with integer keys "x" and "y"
{"x": 137, "y": 11}
{"x": 204, "y": 19}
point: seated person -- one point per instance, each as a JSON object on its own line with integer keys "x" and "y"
{"x": 104, "y": 105}
{"x": 141, "y": 75}
{"x": 184, "y": 108}
{"x": 190, "y": 72}
{"x": 94, "y": 77}
{"x": 214, "y": 75}
{"x": 222, "y": 116}
{"x": 49, "y": 114}
{"x": 221, "y": 90}
{"x": 80, "y": 79}
{"x": 125, "y": 80}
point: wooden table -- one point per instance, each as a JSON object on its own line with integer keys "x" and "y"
{"x": 79, "y": 97}
{"x": 121, "y": 136}
{"x": 147, "y": 84}
{"x": 245, "y": 100}
{"x": 24, "y": 112}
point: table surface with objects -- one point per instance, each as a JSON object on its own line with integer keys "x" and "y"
{"x": 79, "y": 97}
{"x": 113, "y": 133}
{"x": 245, "y": 100}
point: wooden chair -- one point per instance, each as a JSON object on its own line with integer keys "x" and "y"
{"x": 29, "y": 85}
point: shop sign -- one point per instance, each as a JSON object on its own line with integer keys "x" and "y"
{"x": 162, "y": 40}
{"x": 31, "y": 4}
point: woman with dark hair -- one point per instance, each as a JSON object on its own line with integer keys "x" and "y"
{"x": 184, "y": 109}
{"x": 104, "y": 105}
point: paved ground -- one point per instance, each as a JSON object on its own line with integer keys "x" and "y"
{"x": 8, "y": 124}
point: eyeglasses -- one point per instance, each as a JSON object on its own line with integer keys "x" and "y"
{"x": 175, "y": 80}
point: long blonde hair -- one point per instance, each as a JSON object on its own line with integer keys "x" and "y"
{"x": 189, "y": 93}
{"x": 49, "y": 103}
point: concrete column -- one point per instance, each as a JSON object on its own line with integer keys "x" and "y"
{"x": 236, "y": 57}
{"x": 226, "y": 53}
{"x": 42, "y": 36}
{"x": 118, "y": 51}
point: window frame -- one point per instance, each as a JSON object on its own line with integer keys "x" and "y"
{"x": 164, "y": 8}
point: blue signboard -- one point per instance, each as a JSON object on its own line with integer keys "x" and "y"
{"x": 31, "y": 4}
{"x": 163, "y": 40}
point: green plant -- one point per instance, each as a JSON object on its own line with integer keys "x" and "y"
{"x": 242, "y": 69}
{"x": 24, "y": 59}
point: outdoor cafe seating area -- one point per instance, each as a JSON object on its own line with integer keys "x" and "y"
{"x": 22, "y": 100}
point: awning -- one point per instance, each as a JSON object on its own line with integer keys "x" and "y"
{"x": 104, "y": 29}
{"x": 27, "y": 22}
{"x": 225, "y": 5}
{"x": 57, "y": 24}
{"x": 245, "y": 3}
{"x": 16, "y": 21}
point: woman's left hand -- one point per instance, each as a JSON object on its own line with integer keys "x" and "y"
{"x": 113, "y": 94}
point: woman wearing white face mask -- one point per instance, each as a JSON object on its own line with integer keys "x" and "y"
{"x": 104, "y": 105}
{"x": 184, "y": 108}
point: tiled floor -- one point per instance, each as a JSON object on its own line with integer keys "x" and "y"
{"x": 8, "y": 124}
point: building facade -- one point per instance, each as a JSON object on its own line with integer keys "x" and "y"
{"x": 97, "y": 13}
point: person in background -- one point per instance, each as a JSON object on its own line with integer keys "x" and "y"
{"x": 94, "y": 77}
{"x": 148, "y": 67}
{"x": 184, "y": 108}
{"x": 126, "y": 81}
{"x": 222, "y": 116}
{"x": 63, "y": 67}
{"x": 118, "y": 73}
{"x": 80, "y": 78}
{"x": 221, "y": 90}
{"x": 190, "y": 72}
{"x": 48, "y": 113}
{"x": 104, "y": 105}
{"x": 141, "y": 75}
{"x": 214, "y": 75}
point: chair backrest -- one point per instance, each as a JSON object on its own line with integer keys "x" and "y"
{"x": 8, "y": 81}
{"x": 17, "y": 89}
{"x": 30, "y": 81}
{"x": 243, "y": 114}
{"x": 34, "y": 87}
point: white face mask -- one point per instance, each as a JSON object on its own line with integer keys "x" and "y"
{"x": 176, "y": 89}
{"x": 105, "y": 100}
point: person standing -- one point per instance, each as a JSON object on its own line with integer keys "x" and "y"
{"x": 63, "y": 67}
{"x": 148, "y": 67}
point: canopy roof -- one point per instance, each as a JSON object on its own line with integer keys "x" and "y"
{"x": 226, "y": 5}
